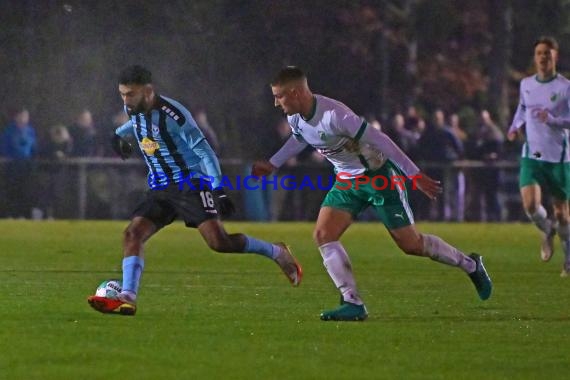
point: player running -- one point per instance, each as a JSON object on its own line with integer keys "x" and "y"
{"x": 356, "y": 150}
{"x": 181, "y": 165}
{"x": 544, "y": 110}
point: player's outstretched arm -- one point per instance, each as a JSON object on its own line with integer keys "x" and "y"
{"x": 557, "y": 117}
{"x": 554, "y": 121}
{"x": 512, "y": 135}
{"x": 262, "y": 168}
{"x": 384, "y": 144}
{"x": 519, "y": 118}
{"x": 291, "y": 148}
{"x": 429, "y": 186}
{"x": 516, "y": 132}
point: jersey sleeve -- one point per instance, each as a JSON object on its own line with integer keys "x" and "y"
{"x": 291, "y": 148}
{"x": 384, "y": 144}
{"x": 197, "y": 142}
{"x": 125, "y": 130}
{"x": 209, "y": 162}
{"x": 347, "y": 123}
{"x": 192, "y": 134}
{"x": 519, "y": 117}
{"x": 344, "y": 122}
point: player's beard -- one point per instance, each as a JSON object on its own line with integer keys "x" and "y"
{"x": 139, "y": 108}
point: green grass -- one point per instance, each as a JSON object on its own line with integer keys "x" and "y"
{"x": 212, "y": 316}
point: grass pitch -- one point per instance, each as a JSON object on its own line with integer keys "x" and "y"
{"x": 204, "y": 315}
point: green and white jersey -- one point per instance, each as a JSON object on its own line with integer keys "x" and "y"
{"x": 544, "y": 141}
{"x": 344, "y": 138}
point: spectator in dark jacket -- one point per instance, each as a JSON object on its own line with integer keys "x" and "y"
{"x": 19, "y": 146}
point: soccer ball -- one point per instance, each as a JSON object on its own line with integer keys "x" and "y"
{"x": 109, "y": 289}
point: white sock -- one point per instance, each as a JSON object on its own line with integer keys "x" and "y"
{"x": 438, "y": 250}
{"x": 540, "y": 219}
{"x": 338, "y": 266}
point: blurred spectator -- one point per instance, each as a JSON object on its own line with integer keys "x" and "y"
{"x": 374, "y": 123}
{"x": 456, "y": 129}
{"x": 414, "y": 128}
{"x": 303, "y": 204}
{"x": 18, "y": 144}
{"x": 457, "y": 201}
{"x": 283, "y": 202}
{"x": 266, "y": 203}
{"x": 202, "y": 120}
{"x": 118, "y": 119}
{"x": 19, "y": 137}
{"x": 393, "y": 127}
{"x": 86, "y": 139}
{"x": 89, "y": 142}
{"x": 60, "y": 144}
{"x": 58, "y": 147}
{"x": 439, "y": 145}
{"x": 484, "y": 191}
{"x": 273, "y": 203}
{"x": 414, "y": 120}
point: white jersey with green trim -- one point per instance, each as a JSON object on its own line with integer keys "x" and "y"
{"x": 544, "y": 141}
{"x": 345, "y": 139}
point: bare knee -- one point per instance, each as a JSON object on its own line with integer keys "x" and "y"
{"x": 531, "y": 208}
{"x": 562, "y": 216}
{"x": 220, "y": 244}
{"x": 322, "y": 236}
{"x": 412, "y": 246}
{"x": 218, "y": 239}
{"x": 133, "y": 235}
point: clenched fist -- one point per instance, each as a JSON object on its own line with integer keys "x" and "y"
{"x": 262, "y": 168}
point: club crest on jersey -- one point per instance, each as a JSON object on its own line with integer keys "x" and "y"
{"x": 553, "y": 97}
{"x": 155, "y": 130}
{"x": 148, "y": 146}
{"x": 322, "y": 135}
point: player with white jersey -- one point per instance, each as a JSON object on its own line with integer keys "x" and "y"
{"x": 544, "y": 110}
{"x": 359, "y": 154}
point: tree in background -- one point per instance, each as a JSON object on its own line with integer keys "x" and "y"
{"x": 376, "y": 55}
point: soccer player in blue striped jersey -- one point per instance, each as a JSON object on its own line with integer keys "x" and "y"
{"x": 184, "y": 180}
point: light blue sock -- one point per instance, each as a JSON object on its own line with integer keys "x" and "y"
{"x": 132, "y": 270}
{"x": 261, "y": 247}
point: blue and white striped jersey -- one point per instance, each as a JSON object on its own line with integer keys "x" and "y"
{"x": 172, "y": 145}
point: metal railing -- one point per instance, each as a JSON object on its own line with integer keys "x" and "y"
{"x": 77, "y": 182}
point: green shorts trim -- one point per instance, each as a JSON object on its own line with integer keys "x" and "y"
{"x": 554, "y": 176}
{"x": 385, "y": 191}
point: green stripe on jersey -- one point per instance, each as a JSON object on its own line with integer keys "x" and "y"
{"x": 361, "y": 130}
{"x": 364, "y": 162}
{"x": 545, "y": 80}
